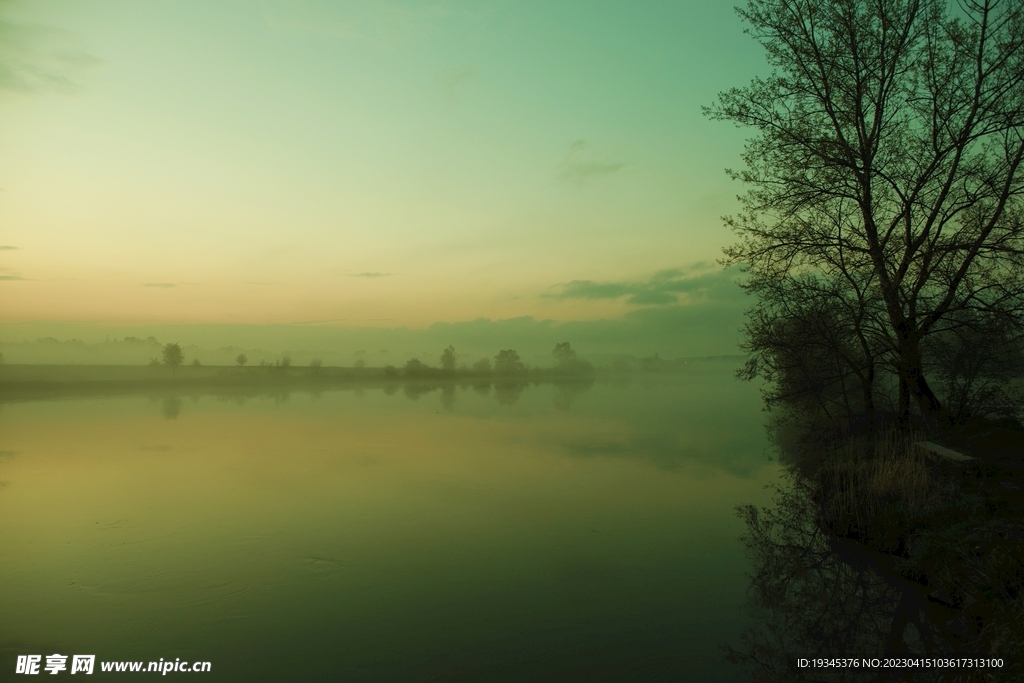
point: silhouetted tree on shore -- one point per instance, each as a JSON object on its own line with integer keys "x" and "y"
{"x": 448, "y": 360}
{"x": 507, "y": 363}
{"x": 563, "y": 353}
{"x": 566, "y": 361}
{"x": 414, "y": 367}
{"x": 173, "y": 356}
{"x": 887, "y": 161}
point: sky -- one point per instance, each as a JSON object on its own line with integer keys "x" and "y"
{"x": 365, "y": 164}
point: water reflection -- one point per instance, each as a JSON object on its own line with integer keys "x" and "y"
{"x": 371, "y": 538}
{"x": 508, "y": 391}
{"x": 670, "y": 422}
{"x": 818, "y": 596}
{"x": 448, "y": 398}
{"x": 567, "y": 391}
{"x": 170, "y": 407}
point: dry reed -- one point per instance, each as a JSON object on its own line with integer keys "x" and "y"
{"x": 872, "y": 492}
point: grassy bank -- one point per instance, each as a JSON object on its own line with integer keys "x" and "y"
{"x": 955, "y": 529}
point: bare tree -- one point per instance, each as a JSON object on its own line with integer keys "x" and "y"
{"x": 888, "y": 149}
{"x": 820, "y": 343}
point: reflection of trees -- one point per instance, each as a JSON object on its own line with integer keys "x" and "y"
{"x": 507, "y": 391}
{"x": 170, "y": 407}
{"x": 414, "y": 391}
{"x": 818, "y": 596}
{"x": 567, "y": 391}
{"x": 448, "y": 398}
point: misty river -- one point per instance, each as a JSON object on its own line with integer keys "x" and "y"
{"x": 582, "y": 531}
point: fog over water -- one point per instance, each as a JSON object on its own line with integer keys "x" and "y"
{"x": 287, "y": 293}
{"x": 565, "y": 532}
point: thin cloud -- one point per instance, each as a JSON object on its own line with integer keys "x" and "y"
{"x": 661, "y": 289}
{"x": 162, "y": 285}
{"x": 337, "y": 321}
{"x": 11, "y": 277}
{"x": 7, "y": 247}
{"x": 36, "y": 58}
{"x": 450, "y": 82}
{"x": 578, "y": 171}
{"x": 368, "y": 274}
{"x": 332, "y": 321}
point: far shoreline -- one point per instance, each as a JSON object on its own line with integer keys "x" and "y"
{"x": 40, "y": 381}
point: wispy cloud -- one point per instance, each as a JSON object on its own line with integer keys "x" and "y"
{"x": 11, "y": 277}
{"x": 661, "y": 289}
{"x": 35, "y": 58}
{"x": 162, "y": 285}
{"x": 578, "y": 169}
{"x": 451, "y": 80}
{"x": 368, "y": 274}
{"x": 313, "y": 323}
{"x": 338, "y": 321}
{"x": 7, "y": 247}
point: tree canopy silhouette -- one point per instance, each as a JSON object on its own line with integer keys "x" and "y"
{"x": 173, "y": 356}
{"x": 448, "y": 359}
{"x": 507, "y": 362}
{"x": 887, "y": 163}
{"x": 563, "y": 353}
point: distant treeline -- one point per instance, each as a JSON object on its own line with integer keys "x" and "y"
{"x": 505, "y": 363}
{"x": 505, "y": 371}
{"x": 137, "y": 351}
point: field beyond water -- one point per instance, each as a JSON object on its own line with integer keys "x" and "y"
{"x": 382, "y": 531}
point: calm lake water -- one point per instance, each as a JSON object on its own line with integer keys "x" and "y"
{"x": 386, "y": 533}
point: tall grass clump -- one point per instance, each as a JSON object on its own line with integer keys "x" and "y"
{"x": 877, "y": 492}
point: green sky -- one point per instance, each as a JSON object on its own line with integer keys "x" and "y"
{"x": 363, "y": 163}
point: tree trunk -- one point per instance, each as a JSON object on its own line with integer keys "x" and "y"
{"x": 913, "y": 383}
{"x": 868, "y": 388}
{"x": 904, "y": 400}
